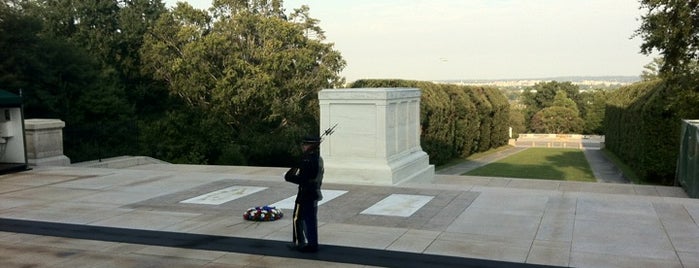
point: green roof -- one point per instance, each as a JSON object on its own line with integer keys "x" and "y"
{"x": 8, "y": 99}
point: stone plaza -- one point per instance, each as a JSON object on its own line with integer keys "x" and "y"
{"x": 165, "y": 215}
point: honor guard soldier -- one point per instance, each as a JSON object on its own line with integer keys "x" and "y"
{"x": 309, "y": 177}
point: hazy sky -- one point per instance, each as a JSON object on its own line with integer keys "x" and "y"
{"x": 479, "y": 39}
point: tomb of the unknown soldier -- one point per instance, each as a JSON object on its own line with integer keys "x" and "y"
{"x": 378, "y": 136}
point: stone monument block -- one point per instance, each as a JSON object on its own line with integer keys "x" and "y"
{"x": 45, "y": 142}
{"x": 377, "y": 140}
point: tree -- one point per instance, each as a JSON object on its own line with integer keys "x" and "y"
{"x": 595, "y": 105}
{"x": 101, "y": 116}
{"x": 517, "y": 121}
{"x": 112, "y": 31}
{"x": 190, "y": 136}
{"x": 97, "y": 84}
{"x": 651, "y": 70}
{"x": 672, "y": 28}
{"x": 247, "y": 62}
{"x": 561, "y": 100}
{"x": 61, "y": 80}
{"x": 542, "y": 95}
{"x": 556, "y": 120}
{"x": 21, "y": 48}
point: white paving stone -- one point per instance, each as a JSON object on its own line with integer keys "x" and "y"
{"x": 401, "y": 205}
{"x": 328, "y": 195}
{"x": 224, "y": 195}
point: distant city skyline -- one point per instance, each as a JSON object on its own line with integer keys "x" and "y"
{"x": 584, "y": 82}
{"x": 479, "y": 39}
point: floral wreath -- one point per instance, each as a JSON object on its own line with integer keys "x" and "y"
{"x": 265, "y": 213}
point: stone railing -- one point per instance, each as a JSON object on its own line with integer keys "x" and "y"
{"x": 44, "y": 139}
{"x": 549, "y": 136}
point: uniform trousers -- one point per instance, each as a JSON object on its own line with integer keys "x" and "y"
{"x": 306, "y": 224}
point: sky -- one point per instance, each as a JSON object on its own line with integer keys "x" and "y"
{"x": 479, "y": 39}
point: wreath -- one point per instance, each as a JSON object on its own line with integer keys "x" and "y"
{"x": 265, "y": 213}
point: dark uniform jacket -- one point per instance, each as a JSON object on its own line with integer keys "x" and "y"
{"x": 309, "y": 177}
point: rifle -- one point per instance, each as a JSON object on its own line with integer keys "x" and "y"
{"x": 327, "y": 132}
{"x": 313, "y": 147}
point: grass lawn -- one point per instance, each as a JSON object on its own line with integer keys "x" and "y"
{"x": 473, "y": 156}
{"x": 540, "y": 163}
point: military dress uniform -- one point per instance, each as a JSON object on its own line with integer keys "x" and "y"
{"x": 309, "y": 177}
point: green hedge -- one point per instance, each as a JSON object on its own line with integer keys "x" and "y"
{"x": 642, "y": 126}
{"x": 456, "y": 121}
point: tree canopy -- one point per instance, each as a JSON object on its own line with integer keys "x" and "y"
{"x": 542, "y": 94}
{"x": 561, "y": 100}
{"x": 545, "y": 95}
{"x": 557, "y": 120}
{"x": 642, "y": 120}
{"x": 250, "y": 64}
{"x": 236, "y": 82}
{"x": 672, "y": 28}
{"x": 59, "y": 78}
{"x": 594, "y": 105}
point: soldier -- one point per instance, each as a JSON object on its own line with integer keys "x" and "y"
{"x": 309, "y": 177}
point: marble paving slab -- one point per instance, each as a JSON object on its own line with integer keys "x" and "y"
{"x": 224, "y": 195}
{"x": 401, "y": 205}
{"x": 327, "y": 196}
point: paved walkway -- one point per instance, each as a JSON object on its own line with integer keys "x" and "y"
{"x": 603, "y": 168}
{"x": 135, "y": 217}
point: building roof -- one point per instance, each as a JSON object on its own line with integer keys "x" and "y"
{"x": 8, "y": 99}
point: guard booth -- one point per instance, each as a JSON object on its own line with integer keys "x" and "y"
{"x": 687, "y": 174}
{"x": 13, "y": 153}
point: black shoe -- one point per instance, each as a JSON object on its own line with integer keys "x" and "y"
{"x": 309, "y": 248}
{"x": 293, "y": 247}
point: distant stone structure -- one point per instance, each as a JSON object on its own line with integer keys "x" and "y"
{"x": 576, "y": 141}
{"x": 377, "y": 140}
{"x": 45, "y": 142}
